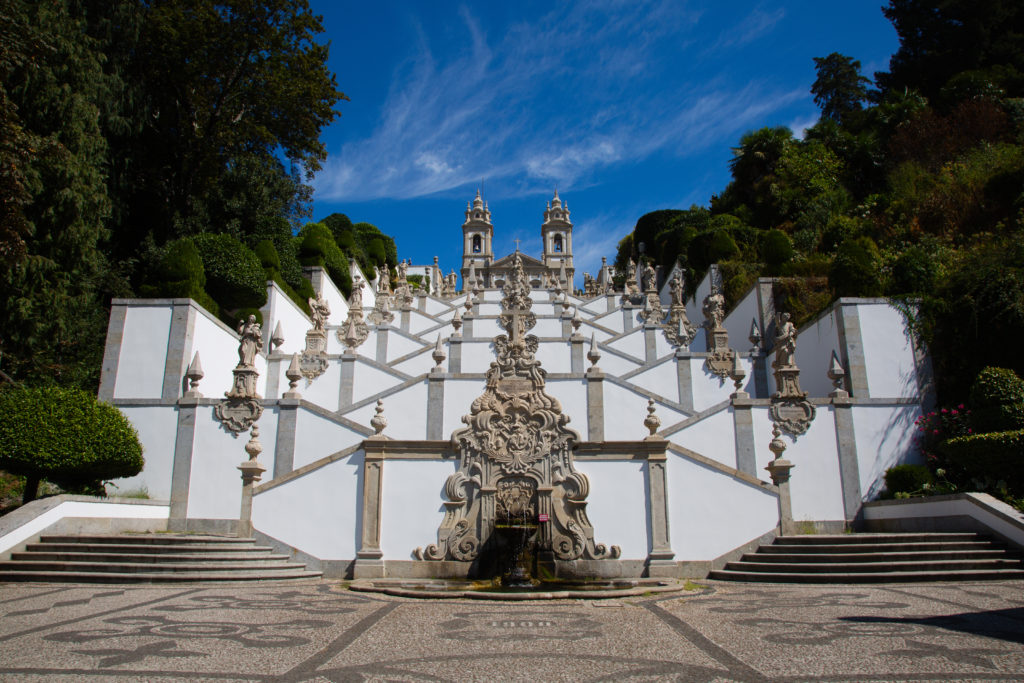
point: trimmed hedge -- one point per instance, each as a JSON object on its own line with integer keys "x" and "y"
{"x": 234, "y": 274}
{"x": 318, "y": 248}
{"x": 996, "y": 455}
{"x": 178, "y": 273}
{"x": 907, "y": 479}
{"x": 65, "y": 436}
{"x": 856, "y": 269}
{"x": 271, "y": 261}
{"x": 997, "y": 401}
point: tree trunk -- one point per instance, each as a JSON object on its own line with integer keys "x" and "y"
{"x": 31, "y": 489}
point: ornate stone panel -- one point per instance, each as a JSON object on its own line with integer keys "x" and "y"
{"x": 516, "y": 453}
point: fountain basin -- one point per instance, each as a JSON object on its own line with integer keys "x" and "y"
{"x": 550, "y": 590}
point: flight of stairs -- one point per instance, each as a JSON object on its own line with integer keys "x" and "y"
{"x": 876, "y": 558}
{"x": 149, "y": 558}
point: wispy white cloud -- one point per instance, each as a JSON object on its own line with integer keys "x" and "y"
{"x": 549, "y": 102}
{"x": 754, "y": 25}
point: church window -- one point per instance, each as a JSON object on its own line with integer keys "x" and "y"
{"x": 476, "y": 244}
{"x": 558, "y": 244}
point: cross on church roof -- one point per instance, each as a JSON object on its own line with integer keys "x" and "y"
{"x": 517, "y": 243}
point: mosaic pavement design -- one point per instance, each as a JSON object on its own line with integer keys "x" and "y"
{"x": 320, "y": 632}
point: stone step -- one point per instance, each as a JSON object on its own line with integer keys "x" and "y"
{"x": 254, "y": 556}
{"x": 876, "y": 577}
{"x": 870, "y": 547}
{"x": 128, "y": 567}
{"x": 147, "y": 539}
{"x": 873, "y": 567}
{"x": 176, "y": 577}
{"x": 161, "y": 549}
{"x": 878, "y": 556}
{"x": 858, "y": 538}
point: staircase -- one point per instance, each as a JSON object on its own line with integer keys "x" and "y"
{"x": 149, "y": 558}
{"x": 876, "y": 558}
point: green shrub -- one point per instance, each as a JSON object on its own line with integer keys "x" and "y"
{"x": 266, "y": 252}
{"x": 776, "y": 250}
{"x": 908, "y": 479}
{"x": 997, "y": 401}
{"x": 711, "y": 247}
{"x": 856, "y": 269}
{"x": 913, "y": 272}
{"x": 318, "y": 248}
{"x": 271, "y": 261}
{"x": 177, "y": 272}
{"x": 65, "y": 436}
{"x": 996, "y": 455}
{"x": 234, "y": 275}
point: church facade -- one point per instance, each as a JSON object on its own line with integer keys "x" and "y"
{"x": 390, "y": 433}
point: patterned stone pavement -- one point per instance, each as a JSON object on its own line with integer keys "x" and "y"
{"x": 320, "y": 632}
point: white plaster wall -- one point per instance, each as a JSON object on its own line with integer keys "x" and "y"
{"x": 477, "y": 356}
{"x": 215, "y": 484}
{"x": 218, "y": 350}
{"x": 368, "y": 380}
{"x": 459, "y": 395}
{"x": 555, "y": 356}
{"x": 572, "y": 394}
{"x": 738, "y": 321}
{"x": 317, "y": 437}
{"x": 547, "y": 327}
{"x": 140, "y": 368}
{"x": 489, "y": 308}
{"x": 418, "y": 364}
{"x": 294, "y": 321}
{"x": 399, "y": 345}
{"x": 487, "y": 327}
{"x": 588, "y": 331}
{"x": 888, "y": 352}
{"x": 612, "y": 321}
{"x": 662, "y": 347}
{"x": 713, "y": 437}
{"x": 405, "y": 411}
{"x": 632, "y": 343}
{"x": 335, "y": 299}
{"x": 438, "y": 308}
{"x": 814, "y": 347}
{"x": 885, "y": 437}
{"x": 411, "y": 511}
{"x": 418, "y": 322}
{"x": 157, "y": 427}
{"x": 710, "y": 513}
{"x": 694, "y": 307}
{"x": 323, "y": 391}
{"x": 369, "y": 296}
{"x": 625, "y": 411}
{"x": 317, "y": 513}
{"x": 815, "y": 485}
{"x": 662, "y": 379}
{"x": 617, "y": 505}
{"x": 709, "y": 389}
{"x": 492, "y": 294}
{"x": 79, "y": 508}
{"x": 612, "y": 364}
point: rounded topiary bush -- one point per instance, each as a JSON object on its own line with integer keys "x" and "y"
{"x": 711, "y": 247}
{"x": 913, "y": 272}
{"x": 177, "y": 271}
{"x": 908, "y": 479}
{"x": 318, "y": 248}
{"x": 65, "y": 436}
{"x": 266, "y": 252}
{"x": 856, "y": 269}
{"x": 776, "y": 250}
{"x": 997, "y": 401}
{"x": 234, "y": 274}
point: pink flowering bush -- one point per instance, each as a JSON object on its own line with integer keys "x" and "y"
{"x": 939, "y": 426}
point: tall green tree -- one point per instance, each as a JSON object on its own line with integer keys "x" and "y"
{"x": 839, "y": 89}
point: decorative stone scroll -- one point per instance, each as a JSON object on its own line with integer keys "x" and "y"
{"x": 679, "y": 331}
{"x": 789, "y": 409}
{"x": 354, "y": 330}
{"x": 720, "y": 361}
{"x": 313, "y": 361}
{"x": 242, "y": 406}
{"x": 516, "y": 453}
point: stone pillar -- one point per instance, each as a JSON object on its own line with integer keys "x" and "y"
{"x": 404, "y": 317}
{"x": 610, "y": 301}
{"x": 650, "y": 341}
{"x": 369, "y": 562}
{"x": 181, "y": 470}
{"x": 595, "y": 404}
{"x": 435, "y": 404}
{"x": 348, "y": 371}
{"x": 660, "y": 561}
{"x": 251, "y": 471}
{"x": 852, "y": 349}
{"x": 743, "y": 423}
{"x": 467, "y": 326}
{"x": 112, "y": 350}
{"x": 628, "y": 316}
{"x": 684, "y": 379}
{"x": 454, "y": 355}
{"x": 576, "y": 354}
{"x": 421, "y": 302}
{"x": 382, "y": 344}
{"x": 779, "y": 469}
{"x": 846, "y": 445}
{"x": 284, "y": 447}
{"x": 178, "y": 344}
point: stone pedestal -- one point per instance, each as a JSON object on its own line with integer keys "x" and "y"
{"x": 780, "y": 470}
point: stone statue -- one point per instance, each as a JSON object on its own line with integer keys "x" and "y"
{"x": 676, "y": 287}
{"x": 320, "y": 311}
{"x": 251, "y": 342}
{"x": 650, "y": 278}
{"x": 355, "y": 299}
{"x": 785, "y": 340}
{"x": 714, "y": 310}
{"x": 384, "y": 285}
{"x": 403, "y": 270}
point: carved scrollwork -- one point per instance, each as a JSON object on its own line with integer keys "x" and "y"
{"x": 571, "y": 546}
{"x": 462, "y": 544}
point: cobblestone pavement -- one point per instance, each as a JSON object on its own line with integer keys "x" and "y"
{"x": 320, "y": 632}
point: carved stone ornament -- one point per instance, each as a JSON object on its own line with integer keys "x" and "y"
{"x": 652, "y": 311}
{"x": 790, "y": 407}
{"x": 313, "y": 361}
{"x": 354, "y": 330}
{"x": 381, "y": 313}
{"x": 516, "y": 453}
{"x": 720, "y": 362}
{"x": 242, "y": 406}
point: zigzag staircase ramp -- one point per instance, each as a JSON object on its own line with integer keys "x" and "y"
{"x": 149, "y": 558}
{"x": 876, "y": 558}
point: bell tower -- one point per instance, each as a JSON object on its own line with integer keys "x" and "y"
{"x": 477, "y": 234}
{"x": 556, "y": 235}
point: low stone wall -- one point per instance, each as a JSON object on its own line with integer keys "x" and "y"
{"x": 977, "y": 512}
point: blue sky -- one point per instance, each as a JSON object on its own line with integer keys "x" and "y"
{"x": 625, "y": 106}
